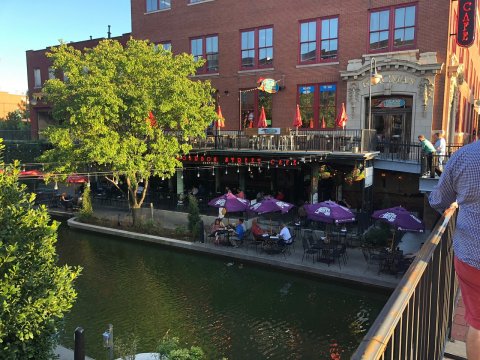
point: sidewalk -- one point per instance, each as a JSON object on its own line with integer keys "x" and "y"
{"x": 66, "y": 354}
{"x": 457, "y": 348}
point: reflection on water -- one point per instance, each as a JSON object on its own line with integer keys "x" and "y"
{"x": 227, "y": 308}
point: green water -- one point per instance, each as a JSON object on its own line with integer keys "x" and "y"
{"x": 229, "y": 309}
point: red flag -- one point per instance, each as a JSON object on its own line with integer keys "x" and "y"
{"x": 220, "y": 123}
{"x": 151, "y": 120}
{"x": 324, "y": 125}
{"x": 311, "y": 125}
{"x": 262, "y": 120}
{"x": 297, "y": 122}
{"x": 342, "y": 118}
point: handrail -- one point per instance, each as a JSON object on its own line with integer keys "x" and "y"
{"x": 383, "y": 334}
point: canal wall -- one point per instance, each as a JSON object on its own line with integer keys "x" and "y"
{"x": 357, "y": 271}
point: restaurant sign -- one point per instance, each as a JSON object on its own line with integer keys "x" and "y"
{"x": 466, "y": 22}
{"x": 237, "y": 160}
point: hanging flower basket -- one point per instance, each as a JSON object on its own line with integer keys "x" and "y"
{"x": 325, "y": 172}
{"x": 355, "y": 175}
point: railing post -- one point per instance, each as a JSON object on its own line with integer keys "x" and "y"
{"x": 79, "y": 352}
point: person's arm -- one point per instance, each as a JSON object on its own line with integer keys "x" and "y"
{"x": 444, "y": 192}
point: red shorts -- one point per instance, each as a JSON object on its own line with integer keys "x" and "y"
{"x": 469, "y": 280}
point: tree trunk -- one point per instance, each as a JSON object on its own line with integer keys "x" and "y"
{"x": 137, "y": 216}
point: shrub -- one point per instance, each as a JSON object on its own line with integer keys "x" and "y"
{"x": 169, "y": 349}
{"x": 377, "y": 235}
{"x": 193, "y": 213}
{"x": 87, "y": 209}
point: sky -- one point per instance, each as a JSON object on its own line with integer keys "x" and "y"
{"x": 37, "y": 24}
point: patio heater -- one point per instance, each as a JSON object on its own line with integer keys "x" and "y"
{"x": 375, "y": 78}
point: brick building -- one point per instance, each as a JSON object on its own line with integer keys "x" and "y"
{"x": 321, "y": 55}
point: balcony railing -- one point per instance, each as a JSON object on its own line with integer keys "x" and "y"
{"x": 15, "y": 135}
{"x": 417, "y": 319}
{"x": 303, "y": 140}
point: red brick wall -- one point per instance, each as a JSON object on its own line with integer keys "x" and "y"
{"x": 227, "y": 18}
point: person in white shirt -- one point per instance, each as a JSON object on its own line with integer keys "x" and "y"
{"x": 441, "y": 148}
{"x": 285, "y": 237}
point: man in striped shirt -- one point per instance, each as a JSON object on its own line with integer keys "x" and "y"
{"x": 460, "y": 182}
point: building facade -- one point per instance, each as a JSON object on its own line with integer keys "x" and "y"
{"x": 322, "y": 56}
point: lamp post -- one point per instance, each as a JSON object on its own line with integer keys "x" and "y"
{"x": 375, "y": 78}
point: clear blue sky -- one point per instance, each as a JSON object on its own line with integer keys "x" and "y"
{"x": 37, "y": 24}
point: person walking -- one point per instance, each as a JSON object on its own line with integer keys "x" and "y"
{"x": 428, "y": 150}
{"x": 459, "y": 182}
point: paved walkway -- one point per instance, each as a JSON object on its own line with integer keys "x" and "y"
{"x": 459, "y": 333}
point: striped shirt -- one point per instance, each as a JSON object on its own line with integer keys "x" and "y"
{"x": 460, "y": 182}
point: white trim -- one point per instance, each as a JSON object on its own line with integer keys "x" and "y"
{"x": 317, "y": 64}
{"x": 401, "y": 52}
{"x": 199, "y": 2}
{"x": 254, "y": 71}
{"x": 206, "y": 75}
{"x": 157, "y": 11}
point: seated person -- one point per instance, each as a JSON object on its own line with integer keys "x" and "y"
{"x": 239, "y": 232}
{"x": 285, "y": 237}
{"x": 66, "y": 201}
{"x": 257, "y": 231}
{"x": 216, "y": 226}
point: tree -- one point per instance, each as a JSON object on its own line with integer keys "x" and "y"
{"x": 34, "y": 291}
{"x": 130, "y": 110}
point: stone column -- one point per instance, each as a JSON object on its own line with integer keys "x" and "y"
{"x": 314, "y": 182}
{"x": 180, "y": 187}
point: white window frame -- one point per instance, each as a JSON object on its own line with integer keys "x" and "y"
{"x": 37, "y": 76}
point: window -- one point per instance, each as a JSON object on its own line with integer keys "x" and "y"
{"x": 318, "y": 40}
{"x": 167, "y": 46}
{"x": 257, "y": 48}
{"x": 318, "y": 105}
{"x": 206, "y": 47}
{"x": 252, "y": 102}
{"x": 37, "y": 78}
{"x": 155, "y": 5}
{"x": 51, "y": 73}
{"x": 392, "y": 28}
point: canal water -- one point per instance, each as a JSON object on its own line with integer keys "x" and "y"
{"x": 228, "y": 308}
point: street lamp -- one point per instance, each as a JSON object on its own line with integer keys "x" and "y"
{"x": 375, "y": 78}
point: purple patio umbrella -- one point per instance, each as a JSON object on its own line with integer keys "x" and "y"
{"x": 270, "y": 205}
{"x": 230, "y": 202}
{"x": 329, "y": 212}
{"x": 401, "y": 218}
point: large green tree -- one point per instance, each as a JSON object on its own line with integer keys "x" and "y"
{"x": 129, "y": 109}
{"x": 34, "y": 291}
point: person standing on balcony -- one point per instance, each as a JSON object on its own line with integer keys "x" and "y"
{"x": 459, "y": 182}
{"x": 428, "y": 150}
{"x": 441, "y": 149}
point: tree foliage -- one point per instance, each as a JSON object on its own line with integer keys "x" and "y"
{"x": 128, "y": 109}
{"x": 34, "y": 291}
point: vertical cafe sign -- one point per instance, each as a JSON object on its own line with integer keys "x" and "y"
{"x": 466, "y": 22}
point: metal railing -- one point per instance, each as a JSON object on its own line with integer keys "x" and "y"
{"x": 15, "y": 134}
{"x": 395, "y": 151}
{"x": 416, "y": 321}
{"x": 303, "y": 140}
{"x": 438, "y": 161}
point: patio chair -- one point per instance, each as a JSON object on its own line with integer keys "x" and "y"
{"x": 308, "y": 249}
